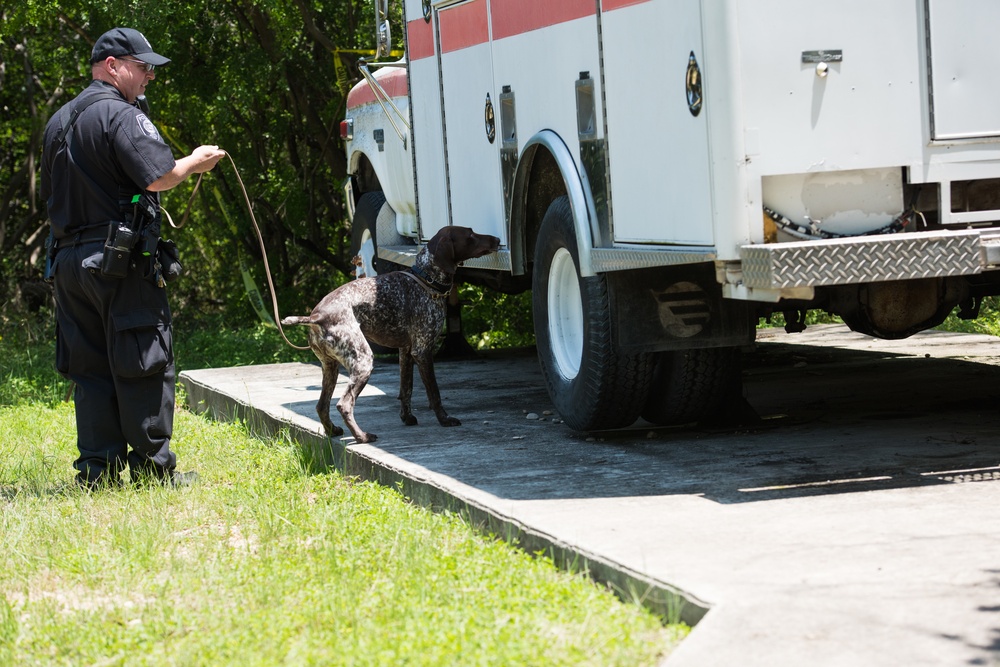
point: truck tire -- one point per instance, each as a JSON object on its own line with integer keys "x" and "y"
{"x": 365, "y": 235}
{"x": 591, "y": 385}
{"x": 693, "y": 385}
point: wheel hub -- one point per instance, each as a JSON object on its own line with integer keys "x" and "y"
{"x": 565, "y": 310}
{"x": 367, "y": 254}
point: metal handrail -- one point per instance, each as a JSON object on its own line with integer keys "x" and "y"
{"x": 382, "y": 97}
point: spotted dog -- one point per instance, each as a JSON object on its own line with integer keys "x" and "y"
{"x": 404, "y": 309}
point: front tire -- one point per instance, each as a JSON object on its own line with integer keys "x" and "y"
{"x": 366, "y": 235}
{"x": 591, "y": 385}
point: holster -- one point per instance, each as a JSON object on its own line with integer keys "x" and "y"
{"x": 169, "y": 259}
{"x": 145, "y": 255}
{"x": 142, "y": 213}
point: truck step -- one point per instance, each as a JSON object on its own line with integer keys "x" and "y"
{"x": 405, "y": 255}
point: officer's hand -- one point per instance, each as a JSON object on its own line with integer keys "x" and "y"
{"x": 206, "y": 157}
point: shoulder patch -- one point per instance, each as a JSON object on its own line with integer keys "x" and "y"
{"x": 146, "y": 126}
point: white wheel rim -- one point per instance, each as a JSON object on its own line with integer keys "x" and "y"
{"x": 565, "y": 315}
{"x": 367, "y": 253}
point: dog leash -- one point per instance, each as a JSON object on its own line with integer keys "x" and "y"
{"x": 260, "y": 240}
{"x": 187, "y": 209}
{"x": 263, "y": 253}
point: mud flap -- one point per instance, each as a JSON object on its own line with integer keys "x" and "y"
{"x": 675, "y": 308}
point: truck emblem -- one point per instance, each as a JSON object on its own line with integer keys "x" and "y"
{"x": 683, "y": 309}
{"x": 491, "y": 125}
{"x": 693, "y": 81}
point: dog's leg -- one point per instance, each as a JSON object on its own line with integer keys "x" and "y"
{"x": 331, "y": 368}
{"x": 359, "y": 361}
{"x": 425, "y": 364}
{"x": 406, "y": 386}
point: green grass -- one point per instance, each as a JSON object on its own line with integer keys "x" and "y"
{"x": 264, "y": 562}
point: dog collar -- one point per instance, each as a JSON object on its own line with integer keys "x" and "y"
{"x": 439, "y": 287}
{"x": 436, "y": 289}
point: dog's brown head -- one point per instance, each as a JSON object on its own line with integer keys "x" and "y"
{"x": 453, "y": 245}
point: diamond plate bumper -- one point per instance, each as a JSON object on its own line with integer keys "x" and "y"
{"x": 864, "y": 259}
{"x": 991, "y": 249}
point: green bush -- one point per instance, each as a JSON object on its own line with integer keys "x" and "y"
{"x": 988, "y": 321}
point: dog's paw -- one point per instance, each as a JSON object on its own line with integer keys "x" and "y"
{"x": 449, "y": 421}
{"x": 334, "y": 431}
{"x": 409, "y": 419}
{"x": 366, "y": 438}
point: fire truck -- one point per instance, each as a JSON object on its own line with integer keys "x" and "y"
{"x": 663, "y": 173}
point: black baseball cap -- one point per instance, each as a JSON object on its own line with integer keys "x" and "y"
{"x": 119, "y": 42}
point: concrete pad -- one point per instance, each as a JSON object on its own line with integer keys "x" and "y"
{"x": 858, "y": 523}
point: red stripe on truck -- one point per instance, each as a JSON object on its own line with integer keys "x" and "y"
{"x": 516, "y": 17}
{"x": 419, "y": 39}
{"x": 468, "y": 24}
{"x": 463, "y": 26}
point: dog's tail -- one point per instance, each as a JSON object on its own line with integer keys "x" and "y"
{"x": 296, "y": 319}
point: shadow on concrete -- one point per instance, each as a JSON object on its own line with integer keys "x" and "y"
{"x": 831, "y": 421}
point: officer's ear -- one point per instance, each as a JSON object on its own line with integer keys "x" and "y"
{"x": 108, "y": 65}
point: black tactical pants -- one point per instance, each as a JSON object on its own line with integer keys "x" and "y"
{"x": 114, "y": 340}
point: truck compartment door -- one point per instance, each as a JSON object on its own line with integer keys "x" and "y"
{"x": 657, "y": 145}
{"x": 965, "y": 79}
{"x": 425, "y": 113}
{"x": 471, "y": 118}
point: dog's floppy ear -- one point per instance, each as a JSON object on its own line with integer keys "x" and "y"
{"x": 442, "y": 249}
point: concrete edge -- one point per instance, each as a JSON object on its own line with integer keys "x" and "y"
{"x": 670, "y": 603}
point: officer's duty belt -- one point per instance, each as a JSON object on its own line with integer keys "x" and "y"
{"x": 89, "y": 235}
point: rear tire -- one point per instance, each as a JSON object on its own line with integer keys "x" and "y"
{"x": 365, "y": 237}
{"x": 693, "y": 385}
{"x": 591, "y": 385}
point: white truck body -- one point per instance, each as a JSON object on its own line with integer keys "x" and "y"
{"x": 846, "y": 158}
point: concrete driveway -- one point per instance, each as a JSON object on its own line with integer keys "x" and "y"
{"x": 857, "y": 523}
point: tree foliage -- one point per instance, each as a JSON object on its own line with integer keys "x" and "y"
{"x": 259, "y": 79}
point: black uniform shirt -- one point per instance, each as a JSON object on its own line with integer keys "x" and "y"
{"x": 117, "y": 153}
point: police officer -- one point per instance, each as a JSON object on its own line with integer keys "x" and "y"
{"x": 103, "y": 165}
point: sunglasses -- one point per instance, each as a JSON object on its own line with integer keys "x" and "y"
{"x": 145, "y": 66}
